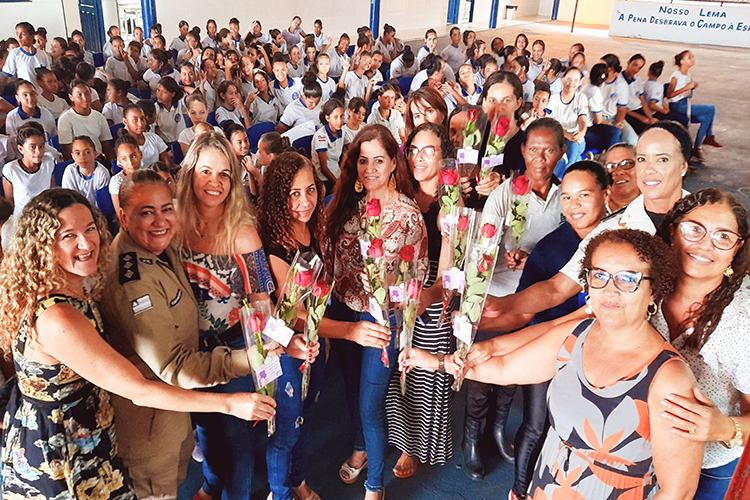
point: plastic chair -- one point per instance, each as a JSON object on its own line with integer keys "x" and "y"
{"x": 177, "y": 155}
{"x": 59, "y": 171}
{"x": 55, "y": 143}
{"x": 304, "y": 143}
{"x": 404, "y": 85}
{"x": 212, "y": 119}
{"x": 11, "y": 100}
{"x": 116, "y": 169}
{"x": 113, "y": 129}
{"x": 350, "y": 51}
{"x": 104, "y": 202}
{"x": 174, "y": 54}
{"x": 255, "y": 132}
{"x": 98, "y": 59}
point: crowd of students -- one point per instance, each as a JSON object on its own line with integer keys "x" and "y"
{"x": 639, "y": 386}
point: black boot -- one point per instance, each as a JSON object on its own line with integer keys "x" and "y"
{"x": 470, "y": 447}
{"x": 503, "y": 444}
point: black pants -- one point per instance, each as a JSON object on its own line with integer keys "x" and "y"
{"x": 530, "y": 435}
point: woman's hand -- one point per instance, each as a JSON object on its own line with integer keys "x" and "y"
{"x": 516, "y": 259}
{"x": 251, "y": 406}
{"x": 487, "y": 185}
{"x": 697, "y": 422}
{"x": 417, "y": 358}
{"x": 465, "y": 185}
{"x": 298, "y": 350}
{"x": 273, "y": 348}
{"x": 454, "y": 365}
{"x": 479, "y": 352}
{"x": 578, "y": 136}
{"x": 369, "y": 334}
{"x": 250, "y": 98}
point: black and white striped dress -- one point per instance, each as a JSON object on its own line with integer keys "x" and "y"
{"x": 419, "y": 423}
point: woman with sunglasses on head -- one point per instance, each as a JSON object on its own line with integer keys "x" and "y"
{"x": 706, "y": 319}
{"x": 608, "y": 377}
{"x": 419, "y": 422}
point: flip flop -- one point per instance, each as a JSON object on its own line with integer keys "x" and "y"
{"x": 349, "y": 473}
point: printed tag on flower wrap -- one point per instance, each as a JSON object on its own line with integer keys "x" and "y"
{"x": 277, "y": 330}
{"x": 468, "y": 155}
{"x": 402, "y": 340}
{"x": 454, "y": 279}
{"x": 462, "y": 329}
{"x": 492, "y": 161}
{"x": 397, "y": 293}
{"x": 376, "y": 310}
{"x": 269, "y": 371}
{"x": 447, "y": 222}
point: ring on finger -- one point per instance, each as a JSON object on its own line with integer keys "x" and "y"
{"x": 692, "y": 431}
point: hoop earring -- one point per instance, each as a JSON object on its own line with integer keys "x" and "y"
{"x": 392, "y": 182}
{"x": 729, "y": 272}
{"x": 358, "y": 186}
{"x": 650, "y": 311}
{"x": 588, "y": 309}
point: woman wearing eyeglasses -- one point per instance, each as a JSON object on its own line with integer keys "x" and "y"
{"x": 419, "y": 423}
{"x": 608, "y": 377}
{"x": 619, "y": 161}
{"x": 706, "y": 319}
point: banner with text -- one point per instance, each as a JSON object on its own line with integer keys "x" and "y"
{"x": 688, "y": 22}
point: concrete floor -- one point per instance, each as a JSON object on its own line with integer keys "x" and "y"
{"x": 722, "y": 73}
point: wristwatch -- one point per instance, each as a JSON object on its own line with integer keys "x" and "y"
{"x": 441, "y": 369}
{"x": 736, "y": 441}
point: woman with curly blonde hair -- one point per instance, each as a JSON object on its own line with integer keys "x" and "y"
{"x": 59, "y": 437}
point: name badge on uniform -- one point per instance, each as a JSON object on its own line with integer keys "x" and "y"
{"x": 142, "y": 304}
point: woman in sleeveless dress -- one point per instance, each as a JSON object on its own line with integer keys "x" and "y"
{"x": 608, "y": 376}
{"x": 59, "y": 439}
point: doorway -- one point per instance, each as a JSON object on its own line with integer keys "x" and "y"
{"x": 130, "y": 16}
{"x": 92, "y": 23}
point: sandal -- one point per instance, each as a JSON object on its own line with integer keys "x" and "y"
{"x": 397, "y": 470}
{"x": 313, "y": 495}
{"x": 349, "y": 474}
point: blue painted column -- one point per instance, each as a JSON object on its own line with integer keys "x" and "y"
{"x": 374, "y": 17}
{"x": 493, "y": 13}
{"x": 453, "y": 7}
{"x": 148, "y": 9}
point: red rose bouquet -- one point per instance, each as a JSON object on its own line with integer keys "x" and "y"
{"x": 317, "y": 302}
{"x": 299, "y": 280}
{"x": 411, "y": 285}
{"x": 462, "y": 225}
{"x": 450, "y": 190}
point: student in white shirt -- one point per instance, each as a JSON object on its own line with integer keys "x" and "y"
{"x": 615, "y": 94}
{"x": 191, "y": 52}
{"x": 430, "y": 43}
{"x": 49, "y": 99}
{"x": 355, "y": 83}
{"x": 113, "y": 31}
{"x": 386, "y": 44}
{"x": 117, "y": 98}
{"x": 376, "y": 61}
{"x": 278, "y": 40}
{"x": 639, "y": 114}
{"x": 520, "y": 66}
{"x": 171, "y": 115}
{"x": 285, "y": 89}
{"x": 485, "y": 65}
{"x": 119, "y": 65}
{"x": 198, "y": 113}
{"x": 574, "y": 49}
{"x": 320, "y": 38}
{"x": 262, "y": 105}
{"x": 453, "y": 54}
{"x": 338, "y": 56}
{"x": 77, "y": 37}
{"x": 179, "y": 42}
{"x": 600, "y": 135}
{"x": 356, "y": 112}
{"x": 570, "y": 108}
{"x": 82, "y": 120}
{"x": 159, "y": 68}
{"x": 470, "y": 91}
{"x": 304, "y": 109}
{"x": 232, "y": 106}
{"x": 404, "y": 66}
{"x": 536, "y": 62}
{"x": 32, "y": 173}
{"x": 256, "y": 30}
{"x": 328, "y": 144}
{"x": 153, "y": 148}
{"x": 27, "y": 111}
{"x": 209, "y": 77}
{"x": 295, "y": 68}
{"x": 129, "y": 158}
{"x": 210, "y": 40}
{"x": 385, "y": 115}
{"x": 550, "y": 74}
{"x": 85, "y": 175}
{"x": 136, "y": 60}
{"x": 327, "y": 84}
{"x": 653, "y": 92}
{"x": 23, "y": 61}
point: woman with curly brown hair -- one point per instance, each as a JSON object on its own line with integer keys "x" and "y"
{"x": 372, "y": 169}
{"x": 59, "y": 437}
{"x": 706, "y": 319}
{"x": 291, "y": 220}
{"x": 608, "y": 376}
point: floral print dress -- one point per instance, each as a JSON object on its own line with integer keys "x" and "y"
{"x": 59, "y": 439}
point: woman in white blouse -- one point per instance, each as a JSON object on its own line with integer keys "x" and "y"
{"x": 707, "y": 319}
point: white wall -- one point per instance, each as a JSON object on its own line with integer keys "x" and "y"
{"x": 47, "y": 13}
{"x": 405, "y": 14}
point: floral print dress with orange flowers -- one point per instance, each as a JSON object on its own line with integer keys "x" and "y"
{"x": 599, "y": 443}
{"x": 59, "y": 439}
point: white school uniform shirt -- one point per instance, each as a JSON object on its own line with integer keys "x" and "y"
{"x": 186, "y": 136}
{"x": 117, "y": 69}
{"x": 145, "y": 50}
{"x": 88, "y": 57}
{"x": 355, "y": 86}
{"x": 297, "y": 113}
{"x": 721, "y": 366}
{"x": 528, "y": 91}
{"x": 152, "y": 148}
{"x": 653, "y": 91}
{"x": 297, "y": 72}
{"x": 320, "y": 40}
{"x": 332, "y": 145}
{"x": 56, "y": 106}
{"x": 94, "y": 125}
{"x": 223, "y": 114}
{"x": 635, "y": 91}
{"x": 336, "y": 62}
{"x": 423, "y": 52}
{"x": 115, "y": 182}
{"x": 479, "y": 79}
{"x": 418, "y": 81}
{"x": 247, "y": 87}
{"x": 265, "y": 111}
{"x": 615, "y": 95}
{"x": 287, "y": 95}
{"x": 87, "y": 186}
{"x": 568, "y": 113}
{"x": 534, "y": 69}
{"x": 556, "y": 87}
{"x": 542, "y": 217}
{"x": 23, "y": 65}
{"x": 329, "y": 88}
{"x": 388, "y": 49}
{"x": 210, "y": 94}
{"x": 596, "y": 104}
{"x": 454, "y": 56}
{"x": 170, "y": 122}
{"x": 399, "y": 69}
{"x": 350, "y": 134}
{"x": 177, "y": 44}
{"x": 634, "y": 216}
{"x": 682, "y": 81}
{"x": 107, "y": 50}
{"x": 394, "y": 123}
{"x": 209, "y": 42}
{"x": 472, "y": 98}
{"x": 112, "y": 112}
{"x": 264, "y": 38}
{"x": 16, "y": 118}
{"x": 26, "y": 185}
{"x": 153, "y": 79}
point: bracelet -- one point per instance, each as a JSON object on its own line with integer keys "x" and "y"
{"x": 441, "y": 362}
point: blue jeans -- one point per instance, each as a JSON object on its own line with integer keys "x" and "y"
{"x": 601, "y": 137}
{"x": 627, "y": 134}
{"x": 699, "y": 113}
{"x": 366, "y": 384}
{"x": 227, "y": 443}
{"x": 573, "y": 153}
{"x": 714, "y": 482}
{"x": 286, "y": 447}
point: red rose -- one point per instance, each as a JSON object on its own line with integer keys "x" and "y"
{"x": 449, "y": 177}
{"x": 488, "y": 230}
{"x": 320, "y": 289}
{"x": 407, "y": 253}
{"x": 373, "y": 207}
{"x": 521, "y": 185}
{"x": 412, "y": 289}
{"x": 463, "y": 223}
{"x": 256, "y": 321}
{"x": 376, "y": 248}
{"x": 484, "y": 264}
{"x": 501, "y": 127}
{"x": 303, "y": 278}
{"x": 472, "y": 115}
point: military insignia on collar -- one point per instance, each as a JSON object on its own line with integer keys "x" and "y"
{"x": 129, "y": 268}
{"x": 145, "y": 260}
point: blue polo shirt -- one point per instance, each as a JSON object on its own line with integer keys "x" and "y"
{"x": 548, "y": 257}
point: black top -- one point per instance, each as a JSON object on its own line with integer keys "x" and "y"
{"x": 434, "y": 238}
